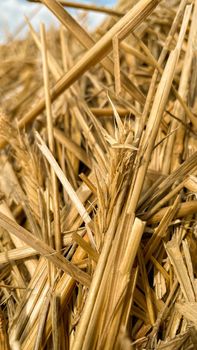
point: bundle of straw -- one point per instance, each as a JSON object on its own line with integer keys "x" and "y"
{"x": 98, "y": 180}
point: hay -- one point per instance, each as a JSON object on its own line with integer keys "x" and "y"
{"x": 98, "y": 166}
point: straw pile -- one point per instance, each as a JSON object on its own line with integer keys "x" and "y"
{"x": 98, "y": 165}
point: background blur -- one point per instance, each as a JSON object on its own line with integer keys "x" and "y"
{"x": 12, "y": 14}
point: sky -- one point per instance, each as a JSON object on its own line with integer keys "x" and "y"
{"x": 12, "y": 15}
